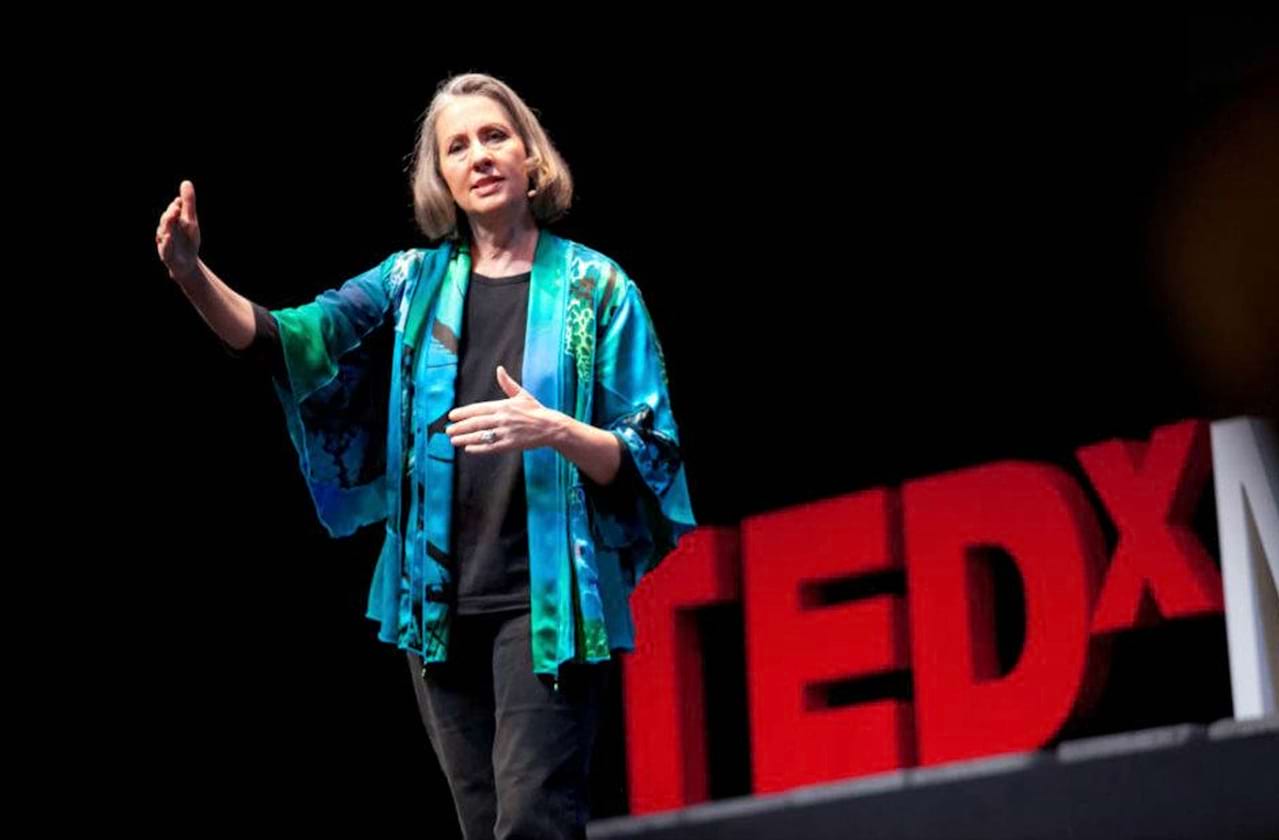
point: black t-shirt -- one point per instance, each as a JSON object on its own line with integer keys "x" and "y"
{"x": 490, "y": 513}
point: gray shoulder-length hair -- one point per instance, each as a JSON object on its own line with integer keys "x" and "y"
{"x": 433, "y": 205}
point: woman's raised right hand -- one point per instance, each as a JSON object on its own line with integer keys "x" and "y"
{"x": 177, "y": 239}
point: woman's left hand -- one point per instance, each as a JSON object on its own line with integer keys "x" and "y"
{"x": 517, "y": 423}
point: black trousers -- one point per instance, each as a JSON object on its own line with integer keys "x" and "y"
{"x": 515, "y": 747}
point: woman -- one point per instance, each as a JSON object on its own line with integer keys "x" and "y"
{"x": 501, "y": 402}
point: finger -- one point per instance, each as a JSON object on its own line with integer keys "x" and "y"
{"x": 472, "y": 439}
{"x": 476, "y": 409}
{"x": 487, "y": 448}
{"x": 474, "y": 424}
{"x": 508, "y": 385}
{"x": 187, "y": 191}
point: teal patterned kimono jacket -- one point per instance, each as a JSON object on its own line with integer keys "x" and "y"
{"x": 371, "y": 371}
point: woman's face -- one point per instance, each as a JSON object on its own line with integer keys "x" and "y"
{"x": 482, "y": 158}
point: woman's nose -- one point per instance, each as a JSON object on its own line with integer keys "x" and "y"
{"x": 480, "y": 156}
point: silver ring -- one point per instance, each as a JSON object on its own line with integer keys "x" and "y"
{"x": 489, "y": 436}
